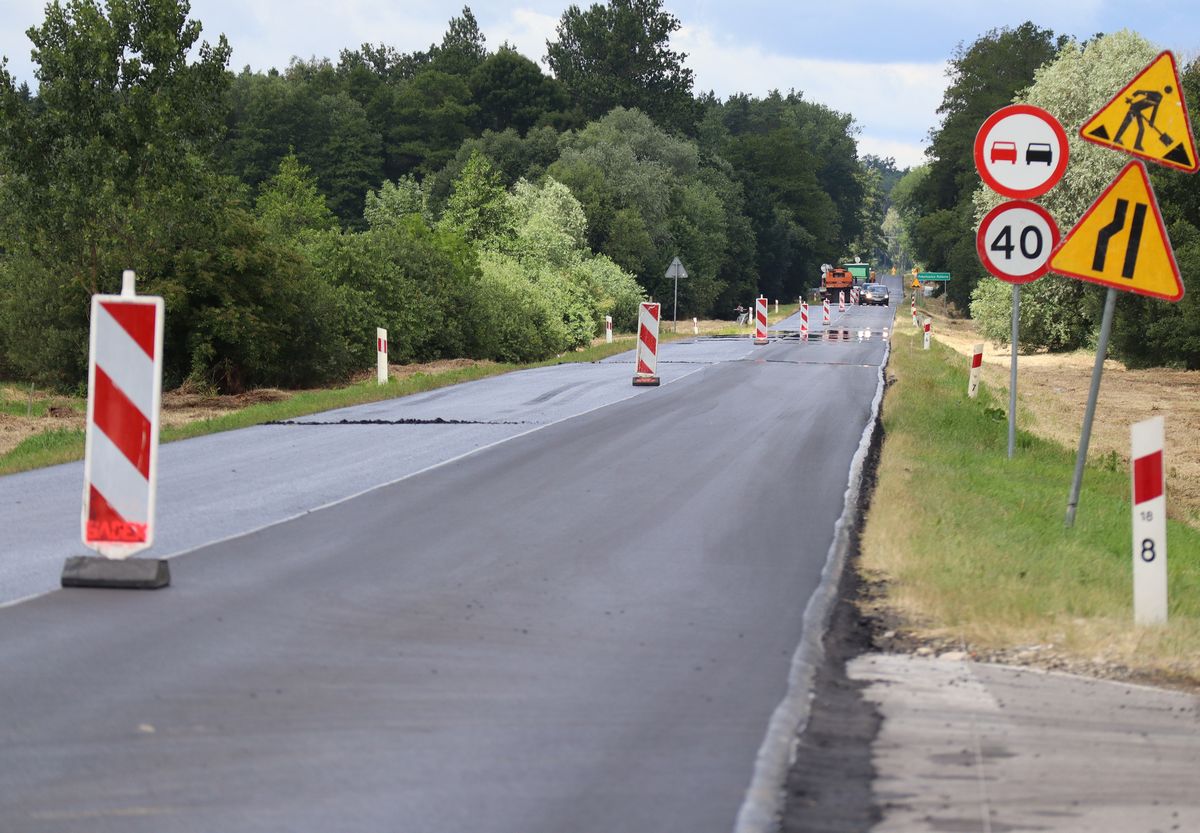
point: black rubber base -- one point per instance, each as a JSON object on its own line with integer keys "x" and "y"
{"x": 646, "y": 381}
{"x": 126, "y": 573}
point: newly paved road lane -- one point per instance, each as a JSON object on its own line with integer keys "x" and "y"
{"x": 581, "y": 628}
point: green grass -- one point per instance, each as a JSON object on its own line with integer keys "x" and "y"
{"x": 973, "y": 545}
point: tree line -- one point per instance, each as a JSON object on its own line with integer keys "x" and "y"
{"x": 937, "y": 207}
{"x": 459, "y": 196}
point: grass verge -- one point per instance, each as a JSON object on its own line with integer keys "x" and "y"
{"x": 971, "y": 549}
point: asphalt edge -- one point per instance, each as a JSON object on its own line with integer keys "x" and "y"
{"x": 762, "y": 808}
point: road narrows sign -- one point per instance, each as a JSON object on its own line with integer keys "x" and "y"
{"x": 1121, "y": 242}
{"x": 1015, "y": 240}
{"x": 1021, "y": 151}
{"x": 1154, "y": 100}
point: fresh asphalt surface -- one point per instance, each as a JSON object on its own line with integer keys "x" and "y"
{"x": 577, "y": 614}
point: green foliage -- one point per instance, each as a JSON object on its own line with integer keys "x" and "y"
{"x": 618, "y": 55}
{"x": 396, "y": 200}
{"x": 289, "y": 203}
{"x": 479, "y": 208}
{"x": 511, "y": 91}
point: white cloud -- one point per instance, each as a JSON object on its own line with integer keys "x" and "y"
{"x": 525, "y": 30}
{"x": 895, "y": 104}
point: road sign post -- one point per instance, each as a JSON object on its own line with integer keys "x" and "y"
{"x": 1120, "y": 242}
{"x": 1148, "y": 477}
{"x": 676, "y": 271}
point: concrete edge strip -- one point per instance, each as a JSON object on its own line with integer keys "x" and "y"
{"x": 763, "y": 806}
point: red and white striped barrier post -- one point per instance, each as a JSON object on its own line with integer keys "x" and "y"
{"x": 841, "y": 301}
{"x": 760, "y": 320}
{"x": 120, "y": 464}
{"x": 381, "y": 360}
{"x": 647, "y": 345}
{"x": 928, "y": 331}
{"x": 803, "y": 320}
{"x": 825, "y": 311}
{"x": 976, "y": 369}
{"x": 608, "y": 329}
{"x": 854, "y": 296}
{"x": 914, "y": 310}
{"x": 1149, "y": 522}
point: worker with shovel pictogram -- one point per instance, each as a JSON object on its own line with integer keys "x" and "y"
{"x": 1141, "y": 101}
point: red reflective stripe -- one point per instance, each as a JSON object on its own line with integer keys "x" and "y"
{"x": 976, "y": 360}
{"x": 650, "y": 341}
{"x": 121, "y": 421}
{"x": 644, "y": 368}
{"x": 135, "y": 319}
{"x": 100, "y": 509}
{"x": 1148, "y": 477}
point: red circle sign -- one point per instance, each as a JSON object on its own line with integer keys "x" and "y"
{"x": 1021, "y": 151}
{"x": 1015, "y": 240}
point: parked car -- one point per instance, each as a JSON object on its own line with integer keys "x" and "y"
{"x": 876, "y": 293}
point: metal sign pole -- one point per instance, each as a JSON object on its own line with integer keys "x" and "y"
{"x": 1012, "y": 382}
{"x": 1110, "y": 302}
{"x": 675, "y": 312}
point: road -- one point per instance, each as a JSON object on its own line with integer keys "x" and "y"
{"x": 578, "y": 614}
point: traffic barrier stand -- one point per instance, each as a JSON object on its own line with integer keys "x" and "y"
{"x": 647, "y": 346}
{"x": 120, "y": 464}
{"x": 804, "y": 320}
{"x": 976, "y": 369}
{"x": 381, "y": 360}
{"x": 841, "y": 301}
{"x": 825, "y": 311}
{"x": 760, "y": 320}
{"x": 854, "y": 296}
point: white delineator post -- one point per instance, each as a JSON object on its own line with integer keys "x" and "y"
{"x": 777, "y": 306}
{"x": 841, "y": 301}
{"x": 695, "y": 326}
{"x": 928, "y": 330}
{"x": 1148, "y": 475}
{"x": 803, "y": 320}
{"x": 760, "y": 320}
{"x": 825, "y": 311}
{"x": 608, "y": 329}
{"x": 976, "y": 370}
{"x": 647, "y": 346}
{"x": 381, "y": 360}
{"x": 120, "y": 468}
{"x": 914, "y": 310}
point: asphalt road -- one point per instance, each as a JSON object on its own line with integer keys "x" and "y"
{"x": 578, "y": 615}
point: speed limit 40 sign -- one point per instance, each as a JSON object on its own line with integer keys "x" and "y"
{"x": 1015, "y": 241}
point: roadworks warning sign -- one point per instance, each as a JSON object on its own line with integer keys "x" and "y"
{"x": 1148, "y": 118}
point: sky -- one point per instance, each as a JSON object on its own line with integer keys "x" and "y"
{"x": 882, "y": 62}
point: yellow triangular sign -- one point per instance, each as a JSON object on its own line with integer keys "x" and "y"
{"x": 1148, "y": 118}
{"x": 1121, "y": 242}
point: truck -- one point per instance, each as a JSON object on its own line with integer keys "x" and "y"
{"x": 835, "y": 279}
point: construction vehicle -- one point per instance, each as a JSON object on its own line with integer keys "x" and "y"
{"x": 835, "y": 279}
